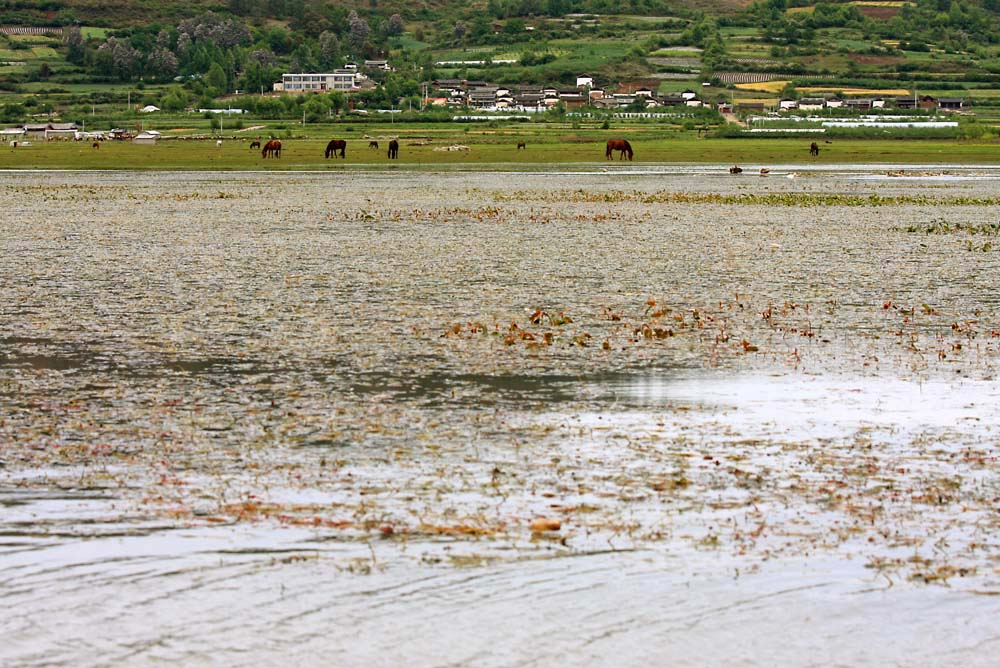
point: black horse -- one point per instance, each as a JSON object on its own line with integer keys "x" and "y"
{"x": 393, "y": 149}
{"x": 254, "y": 144}
{"x": 334, "y": 146}
{"x": 814, "y": 149}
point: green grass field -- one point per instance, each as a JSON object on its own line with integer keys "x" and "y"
{"x": 486, "y": 152}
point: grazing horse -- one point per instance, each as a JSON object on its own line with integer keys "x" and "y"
{"x": 814, "y": 149}
{"x": 393, "y": 149}
{"x": 97, "y": 145}
{"x": 373, "y": 145}
{"x": 272, "y": 149}
{"x": 735, "y": 169}
{"x": 521, "y": 145}
{"x": 621, "y": 145}
{"x": 254, "y": 144}
{"x": 334, "y": 146}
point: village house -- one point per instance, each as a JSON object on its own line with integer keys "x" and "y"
{"x": 812, "y": 103}
{"x": 531, "y": 102}
{"x": 482, "y": 97}
{"x": 447, "y": 84}
{"x": 950, "y": 103}
{"x": 787, "y": 104}
{"x": 378, "y": 65}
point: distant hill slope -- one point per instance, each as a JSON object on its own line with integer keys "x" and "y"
{"x": 124, "y": 13}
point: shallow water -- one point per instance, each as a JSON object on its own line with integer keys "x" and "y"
{"x": 247, "y": 418}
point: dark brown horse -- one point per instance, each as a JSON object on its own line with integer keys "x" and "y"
{"x": 97, "y": 145}
{"x": 814, "y": 149}
{"x": 272, "y": 149}
{"x": 521, "y": 145}
{"x": 373, "y": 145}
{"x": 393, "y": 149}
{"x": 254, "y": 144}
{"x": 620, "y": 145}
{"x": 336, "y": 145}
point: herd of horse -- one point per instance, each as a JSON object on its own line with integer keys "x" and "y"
{"x": 338, "y": 148}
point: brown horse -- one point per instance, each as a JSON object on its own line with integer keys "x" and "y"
{"x": 334, "y": 146}
{"x": 254, "y": 144}
{"x": 814, "y": 149}
{"x": 521, "y": 145}
{"x": 621, "y": 145}
{"x": 97, "y": 145}
{"x": 373, "y": 145}
{"x": 393, "y": 149}
{"x": 272, "y": 149}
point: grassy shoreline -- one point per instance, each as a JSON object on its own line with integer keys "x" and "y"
{"x": 307, "y": 154}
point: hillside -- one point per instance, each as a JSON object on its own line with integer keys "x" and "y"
{"x": 121, "y": 13}
{"x": 182, "y": 54}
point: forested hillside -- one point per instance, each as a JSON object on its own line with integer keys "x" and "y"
{"x": 198, "y": 51}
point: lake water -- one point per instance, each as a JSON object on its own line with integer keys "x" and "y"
{"x": 259, "y": 418}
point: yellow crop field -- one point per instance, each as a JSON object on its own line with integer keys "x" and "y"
{"x": 766, "y": 86}
{"x": 854, "y": 91}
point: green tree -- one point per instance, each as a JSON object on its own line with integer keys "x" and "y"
{"x": 215, "y": 79}
{"x": 176, "y": 99}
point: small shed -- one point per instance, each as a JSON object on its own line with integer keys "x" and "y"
{"x": 146, "y": 137}
{"x": 12, "y": 134}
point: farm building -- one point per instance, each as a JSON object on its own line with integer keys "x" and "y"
{"x": 146, "y": 137}
{"x": 48, "y": 131}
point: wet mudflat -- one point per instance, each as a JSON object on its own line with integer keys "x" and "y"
{"x": 501, "y": 418}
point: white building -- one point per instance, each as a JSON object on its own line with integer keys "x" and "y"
{"x": 318, "y": 83}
